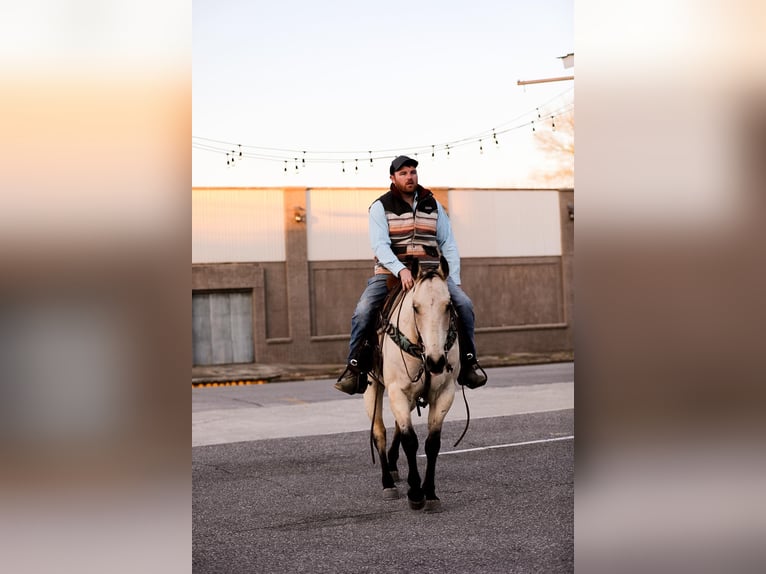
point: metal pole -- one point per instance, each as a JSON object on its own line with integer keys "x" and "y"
{"x": 560, "y": 79}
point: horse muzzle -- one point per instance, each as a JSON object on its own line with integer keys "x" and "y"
{"x": 436, "y": 367}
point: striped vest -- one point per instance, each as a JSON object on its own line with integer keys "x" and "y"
{"x": 413, "y": 234}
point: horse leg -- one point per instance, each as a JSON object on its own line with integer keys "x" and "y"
{"x": 393, "y": 453}
{"x": 436, "y": 413}
{"x": 400, "y": 407}
{"x": 433, "y": 444}
{"x": 410, "y": 445}
{"x": 373, "y": 399}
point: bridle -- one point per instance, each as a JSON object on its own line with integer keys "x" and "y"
{"x": 416, "y": 349}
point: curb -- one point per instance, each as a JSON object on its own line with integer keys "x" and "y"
{"x": 255, "y": 373}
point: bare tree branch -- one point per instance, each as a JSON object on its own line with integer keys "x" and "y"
{"x": 558, "y": 146}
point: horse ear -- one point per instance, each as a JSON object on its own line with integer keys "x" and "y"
{"x": 415, "y": 267}
{"x": 444, "y": 266}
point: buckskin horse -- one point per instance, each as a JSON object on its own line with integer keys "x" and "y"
{"x": 418, "y": 365}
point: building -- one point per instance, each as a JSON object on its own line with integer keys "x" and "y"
{"x": 277, "y": 272}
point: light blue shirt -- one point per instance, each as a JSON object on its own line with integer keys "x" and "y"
{"x": 380, "y": 241}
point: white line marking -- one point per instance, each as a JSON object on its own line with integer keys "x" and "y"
{"x": 570, "y": 437}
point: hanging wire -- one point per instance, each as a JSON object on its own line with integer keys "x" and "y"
{"x": 308, "y": 156}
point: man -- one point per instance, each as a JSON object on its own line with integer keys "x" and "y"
{"x": 406, "y": 223}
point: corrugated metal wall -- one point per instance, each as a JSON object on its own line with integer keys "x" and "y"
{"x": 245, "y": 225}
{"x": 238, "y": 225}
{"x": 502, "y": 223}
{"x": 337, "y": 223}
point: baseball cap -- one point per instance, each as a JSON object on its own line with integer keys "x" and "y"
{"x": 399, "y": 162}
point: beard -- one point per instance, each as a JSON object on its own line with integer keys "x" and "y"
{"x": 408, "y": 188}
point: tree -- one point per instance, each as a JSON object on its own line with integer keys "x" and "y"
{"x": 557, "y": 143}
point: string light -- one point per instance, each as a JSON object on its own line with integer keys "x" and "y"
{"x": 263, "y": 153}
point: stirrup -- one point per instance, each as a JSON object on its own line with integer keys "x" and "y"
{"x": 470, "y": 365}
{"x": 352, "y": 380}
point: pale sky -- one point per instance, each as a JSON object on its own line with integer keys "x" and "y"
{"x": 385, "y": 77}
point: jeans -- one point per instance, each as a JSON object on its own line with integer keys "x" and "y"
{"x": 372, "y": 298}
{"x": 366, "y": 311}
{"x": 464, "y": 307}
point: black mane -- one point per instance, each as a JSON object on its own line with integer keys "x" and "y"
{"x": 430, "y": 274}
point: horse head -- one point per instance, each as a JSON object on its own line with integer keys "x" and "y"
{"x": 431, "y": 307}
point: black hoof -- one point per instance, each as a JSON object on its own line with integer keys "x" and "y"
{"x": 390, "y": 494}
{"x": 417, "y": 504}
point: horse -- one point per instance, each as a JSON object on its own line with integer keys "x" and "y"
{"x": 418, "y": 365}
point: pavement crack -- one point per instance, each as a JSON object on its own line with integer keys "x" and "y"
{"x": 217, "y": 467}
{"x": 322, "y": 521}
{"x": 247, "y": 402}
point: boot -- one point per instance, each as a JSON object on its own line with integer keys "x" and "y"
{"x": 352, "y": 380}
{"x": 470, "y": 374}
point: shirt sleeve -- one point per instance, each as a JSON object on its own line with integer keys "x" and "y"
{"x": 447, "y": 243}
{"x": 380, "y": 240}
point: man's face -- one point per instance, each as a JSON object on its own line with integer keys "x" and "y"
{"x": 406, "y": 179}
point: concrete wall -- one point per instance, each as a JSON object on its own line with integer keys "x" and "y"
{"x": 519, "y": 272}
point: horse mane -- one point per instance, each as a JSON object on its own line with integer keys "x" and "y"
{"x": 429, "y": 270}
{"x": 430, "y": 274}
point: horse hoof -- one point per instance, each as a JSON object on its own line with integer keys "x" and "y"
{"x": 417, "y": 504}
{"x": 395, "y": 475}
{"x": 390, "y": 494}
{"x": 433, "y": 505}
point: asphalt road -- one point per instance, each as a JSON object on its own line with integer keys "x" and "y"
{"x": 310, "y": 500}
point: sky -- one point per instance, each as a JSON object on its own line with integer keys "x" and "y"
{"x": 385, "y": 77}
